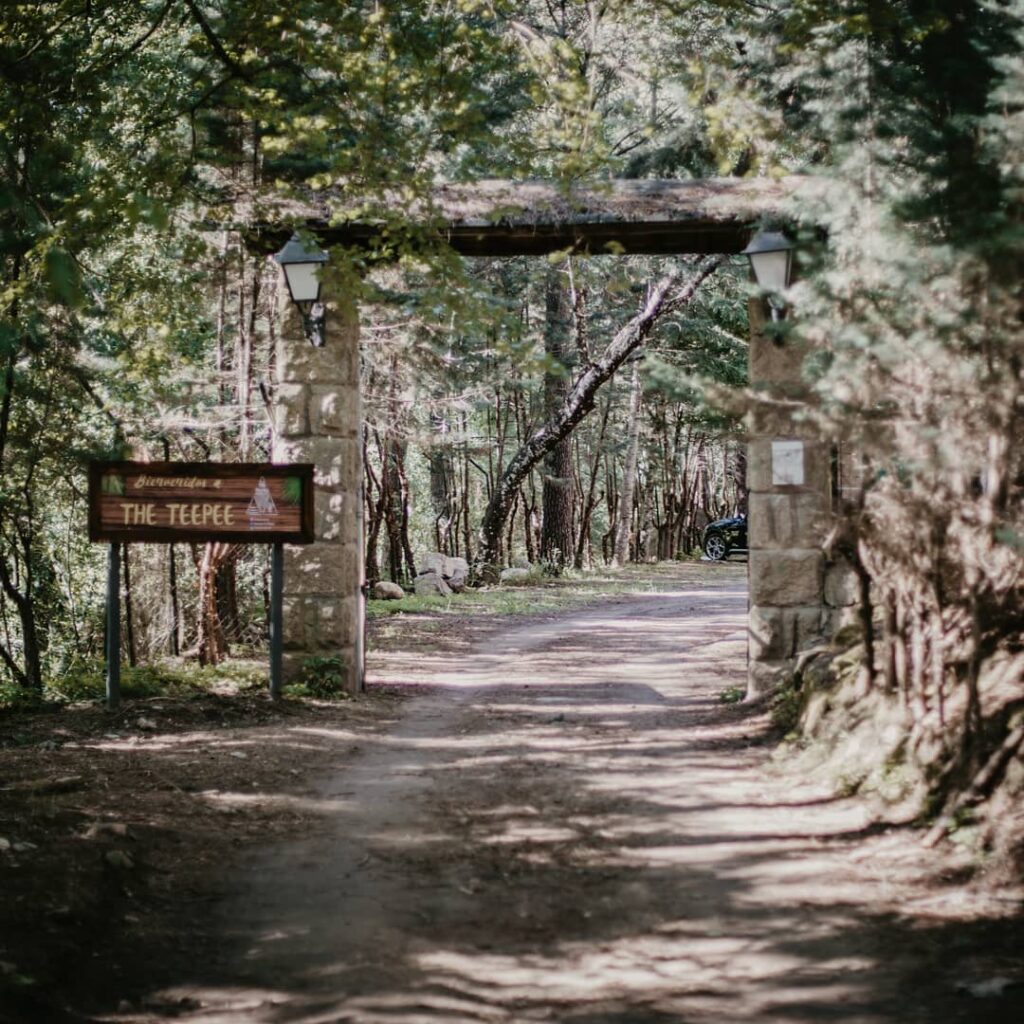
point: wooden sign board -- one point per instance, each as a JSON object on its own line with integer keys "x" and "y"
{"x": 235, "y": 502}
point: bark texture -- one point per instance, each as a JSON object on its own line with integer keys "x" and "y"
{"x": 623, "y": 526}
{"x": 557, "y": 534}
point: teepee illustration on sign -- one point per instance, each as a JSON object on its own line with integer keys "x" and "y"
{"x": 262, "y": 509}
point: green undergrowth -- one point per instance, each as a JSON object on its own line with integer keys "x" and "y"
{"x": 786, "y": 707}
{"x": 86, "y": 682}
{"x": 320, "y": 677}
{"x": 909, "y": 766}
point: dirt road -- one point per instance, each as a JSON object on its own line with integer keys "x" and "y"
{"x": 570, "y": 825}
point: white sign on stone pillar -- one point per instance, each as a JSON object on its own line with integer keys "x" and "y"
{"x": 788, "y": 463}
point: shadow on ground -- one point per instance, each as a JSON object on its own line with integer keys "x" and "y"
{"x": 571, "y": 826}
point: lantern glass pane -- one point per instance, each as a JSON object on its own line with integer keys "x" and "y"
{"x": 303, "y": 281}
{"x": 771, "y": 269}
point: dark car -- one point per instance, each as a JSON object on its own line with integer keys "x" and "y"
{"x": 724, "y": 536}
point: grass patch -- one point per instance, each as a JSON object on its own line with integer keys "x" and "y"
{"x": 410, "y": 604}
{"x": 527, "y": 597}
{"x": 85, "y": 682}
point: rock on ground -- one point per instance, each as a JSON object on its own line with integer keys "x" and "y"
{"x": 431, "y": 584}
{"x": 453, "y": 572}
{"x": 514, "y": 575}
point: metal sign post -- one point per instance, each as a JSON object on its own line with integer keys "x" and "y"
{"x": 113, "y": 626}
{"x": 276, "y": 620}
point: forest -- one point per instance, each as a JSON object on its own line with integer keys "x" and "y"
{"x": 141, "y": 138}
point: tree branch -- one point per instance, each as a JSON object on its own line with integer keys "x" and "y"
{"x": 215, "y": 44}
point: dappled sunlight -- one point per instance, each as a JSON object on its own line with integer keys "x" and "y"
{"x": 345, "y": 735}
{"x": 166, "y": 742}
{"x": 212, "y": 741}
{"x": 576, "y": 975}
{"x": 572, "y": 835}
{"x": 517, "y": 832}
{"x": 274, "y": 801}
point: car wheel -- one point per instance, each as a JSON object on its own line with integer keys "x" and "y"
{"x": 715, "y": 547}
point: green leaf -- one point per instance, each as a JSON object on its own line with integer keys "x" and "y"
{"x": 291, "y": 490}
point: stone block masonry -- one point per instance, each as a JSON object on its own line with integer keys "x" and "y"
{"x": 317, "y": 418}
{"x": 789, "y": 476}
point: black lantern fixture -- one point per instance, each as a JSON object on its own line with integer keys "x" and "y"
{"x": 771, "y": 259}
{"x": 301, "y": 264}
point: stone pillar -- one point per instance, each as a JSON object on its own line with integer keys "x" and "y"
{"x": 317, "y": 418}
{"x": 789, "y": 476}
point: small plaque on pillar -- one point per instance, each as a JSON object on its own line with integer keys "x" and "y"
{"x": 788, "y": 463}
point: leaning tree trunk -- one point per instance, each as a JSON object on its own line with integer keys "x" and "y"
{"x": 620, "y": 553}
{"x": 557, "y": 494}
{"x": 578, "y": 402}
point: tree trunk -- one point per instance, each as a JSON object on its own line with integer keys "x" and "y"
{"x": 557, "y": 493}
{"x": 226, "y": 588}
{"x": 578, "y": 402}
{"x": 394, "y": 484}
{"x": 529, "y": 515}
{"x": 739, "y": 477}
{"x": 32, "y": 674}
{"x": 129, "y": 617}
{"x": 467, "y": 533}
{"x": 374, "y": 508}
{"x": 211, "y": 644}
{"x": 590, "y": 501}
{"x": 889, "y": 611}
{"x": 620, "y": 553}
{"x": 865, "y": 610}
{"x": 406, "y": 544}
{"x": 439, "y": 461}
